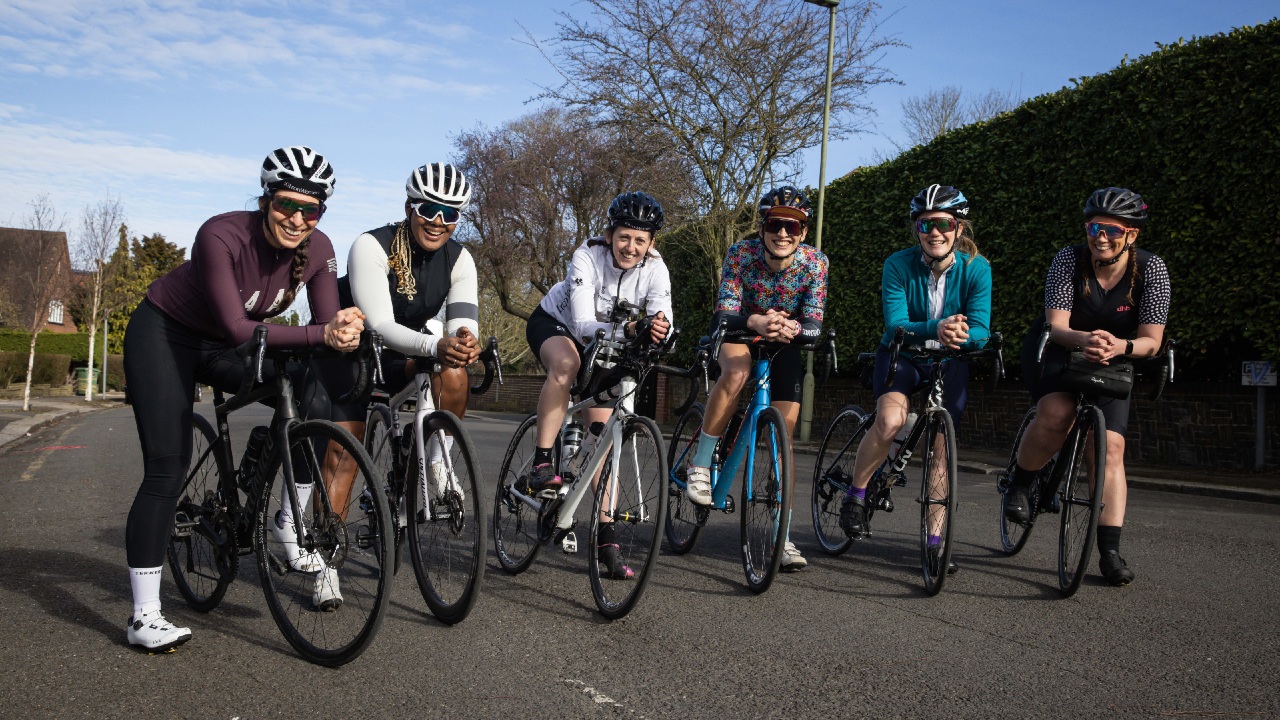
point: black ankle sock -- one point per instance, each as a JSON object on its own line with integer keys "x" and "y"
{"x": 1108, "y": 538}
{"x": 541, "y": 456}
{"x": 1023, "y": 477}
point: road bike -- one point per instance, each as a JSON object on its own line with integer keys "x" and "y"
{"x": 330, "y": 557}
{"x": 756, "y": 441}
{"x": 623, "y": 458}
{"x": 1071, "y": 484}
{"x": 833, "y": 471}
{"x": 435, "y": 505}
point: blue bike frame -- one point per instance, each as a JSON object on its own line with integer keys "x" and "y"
{"x": 744, "y": 445}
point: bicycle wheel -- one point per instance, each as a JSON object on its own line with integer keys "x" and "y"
{"x": 766, "y": 499}
{"x": 202, "y": 545}
{"x": 380, "y": 445}
{"x": 447, "y": 549}
{"x": 515, "y": 522}
{"x": 1013, "y": 536}
{"x": 937, "y": 499}
{"x": 351, "y": 539}
{"x": 636, "y": 508}
{"x": 833, "y": 474}
{"x": 1080, "y": 504}
{"x": 685, "y": 520}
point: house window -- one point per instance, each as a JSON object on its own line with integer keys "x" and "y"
{"x": 55, "y": 312}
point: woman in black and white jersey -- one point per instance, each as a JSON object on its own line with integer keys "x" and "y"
{"x": 1110, "y": 299}
{"x": 418, "y": 289}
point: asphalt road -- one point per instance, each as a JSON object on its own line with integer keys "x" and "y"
{"x": 852, "y": 636}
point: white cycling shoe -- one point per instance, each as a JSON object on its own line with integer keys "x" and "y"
{"x": 698, "y": 486}
{"x": 327, "y": 596}
{"x": 153, "y": 633}
{"x": 307, "y": 561}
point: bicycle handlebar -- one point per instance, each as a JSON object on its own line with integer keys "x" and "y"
{"x": 492, "y": 366}
{"x": 1164, "y": 375}
{"x": 255, "y": 352}
{"x": 994, "y": 349}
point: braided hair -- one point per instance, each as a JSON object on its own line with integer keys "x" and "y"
{"x": 401, "y": 261}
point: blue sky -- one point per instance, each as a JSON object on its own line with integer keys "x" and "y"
{"x": 172, "y": 104}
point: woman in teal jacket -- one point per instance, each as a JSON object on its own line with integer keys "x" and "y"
{"x": 940, "y": 292}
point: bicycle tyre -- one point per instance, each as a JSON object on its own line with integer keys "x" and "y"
{"x": 833, "y": 474}
{"x": 352, "y": 540}
{"x": 448, "y": 552}
{"x": 937, "y": 500}
{"x": 201, "y": 570}
{"x": 1013, "y": 536}
{"x": 766, "y": 500}
{"x": 1080, "y": 505}
{"x": 685, "y": 520}
{"x": 638, "y": 505}
{"x": 515, "y": 524}
{"x": 381, "y": 446}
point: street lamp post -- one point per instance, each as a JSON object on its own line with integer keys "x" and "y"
{"x": 806, "y": 396}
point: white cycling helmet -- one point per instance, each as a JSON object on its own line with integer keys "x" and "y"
{"x": 439, "y": 183}
{"x": 299, "y": 169}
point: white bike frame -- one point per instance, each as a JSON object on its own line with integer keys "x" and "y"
{"x": 610, "y": 439}
{"x": 420, "y": 391}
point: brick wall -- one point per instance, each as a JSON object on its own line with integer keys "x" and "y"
{"x": 1206, "y": 425}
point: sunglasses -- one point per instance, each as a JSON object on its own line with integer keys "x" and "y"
{"x": 1113, "y": 232}
{"x": 287, "y": 207}
{"x": 925, "y": 226}
{"x": 777, "y": 225}
{"x": 430, "y": 211}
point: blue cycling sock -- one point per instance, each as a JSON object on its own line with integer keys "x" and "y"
{"x": 935, "y": 540}
{"x": 857, "y": 492}
{"x": 706, "y": 448}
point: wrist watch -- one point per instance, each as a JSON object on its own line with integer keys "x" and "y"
{"x": 1128, "y": 347}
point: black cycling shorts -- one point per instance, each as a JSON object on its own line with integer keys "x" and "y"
{"x": 1114, "y": 412}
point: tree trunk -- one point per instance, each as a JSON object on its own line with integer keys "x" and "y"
{"x": 31, "y": 359}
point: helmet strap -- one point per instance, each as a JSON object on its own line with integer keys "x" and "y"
{"x": 1116, "y": 259}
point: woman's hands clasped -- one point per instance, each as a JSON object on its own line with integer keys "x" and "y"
{"x": 343, "y": 331}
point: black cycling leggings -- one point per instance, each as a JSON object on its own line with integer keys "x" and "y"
{"x": 163, "y": 359}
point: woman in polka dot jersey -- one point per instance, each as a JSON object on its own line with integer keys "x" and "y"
{"x": 1110, "y": 299}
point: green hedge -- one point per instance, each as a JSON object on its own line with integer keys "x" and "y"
{"x": 76, "y": 345}
{"x": 1192, "y": 127}
{"x": 53, "y": 369}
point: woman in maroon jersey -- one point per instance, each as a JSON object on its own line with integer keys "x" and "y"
{"x": 245, "y": 267}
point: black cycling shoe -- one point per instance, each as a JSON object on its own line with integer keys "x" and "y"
{"x": 1114, "y": 569}
{"x": 853, "y": 517}
{"x": 542, "y": 479}
{"x": 611, "y": 554}
{"x": 934, "y": 552}
{"x": 1017, "y": 503}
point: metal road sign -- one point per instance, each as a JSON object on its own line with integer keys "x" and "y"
{"x": 1258, "y": 372}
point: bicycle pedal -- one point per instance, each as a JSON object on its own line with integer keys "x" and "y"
{"x": 569, "y": 543}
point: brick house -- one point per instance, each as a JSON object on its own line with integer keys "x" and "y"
{"x": 18, "y": 299}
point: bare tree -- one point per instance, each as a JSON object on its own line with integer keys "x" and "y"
{"x": 100, "y": 227}
{"x": 41, "y": 271}
{"x": 992, "y": 104}
{"x": 733, "y": 87}
{"x": 925, "y": 117}
{"x": 542, "y": 186}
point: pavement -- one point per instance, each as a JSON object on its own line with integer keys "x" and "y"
{"x": 15, "y": 425}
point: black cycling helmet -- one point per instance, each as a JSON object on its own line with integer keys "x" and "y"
{"x": 636, "y": 210}
{"x": 785, "y": 196}
{"x": 1119, "y": 203}
{"x": 940, "y": 197}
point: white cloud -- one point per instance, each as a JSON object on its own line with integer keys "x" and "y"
{"x": 253, "y": 42}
